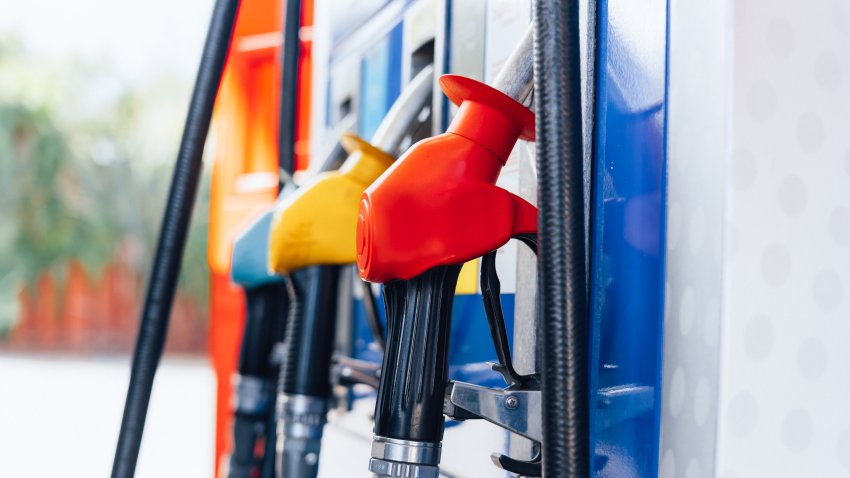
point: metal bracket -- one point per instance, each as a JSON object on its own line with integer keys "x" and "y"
{"x": 517, "y": 411}
{"x": 622, "y": 403}
{"x": 348, "y": 371}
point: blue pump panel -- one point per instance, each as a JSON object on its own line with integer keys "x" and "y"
{"x": 470, "y": 344}
{"x": 627, "y": 248}
{"x": 380, "y": 81}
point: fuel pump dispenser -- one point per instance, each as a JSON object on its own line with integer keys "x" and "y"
{"x": 411, "y": 224}
{"x": 255, "y": 385}
{"x": 312, "y": 236}
{"x": 437, "y": 208}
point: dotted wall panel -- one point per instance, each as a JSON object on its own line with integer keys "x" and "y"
{"x": 785, "y": 370}
{"x": 698, "y": 135}
{"x": 757, "y": 340}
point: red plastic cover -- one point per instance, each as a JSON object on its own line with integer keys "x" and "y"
{"x": 438, "y": 204}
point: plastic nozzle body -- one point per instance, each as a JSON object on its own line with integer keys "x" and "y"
{"x": 439, "y": 205}
{"x": 250, "y": 265}
{"x": 316, "y": 224}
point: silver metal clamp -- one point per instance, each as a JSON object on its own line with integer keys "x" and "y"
{"x": 517, "y": 411}
{"x": 392, "y": 458}
{"x": 302, "y": 416}
{"x": 300, "y": 422}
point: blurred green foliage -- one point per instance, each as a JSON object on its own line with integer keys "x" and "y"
{"x": 85, "y": 165}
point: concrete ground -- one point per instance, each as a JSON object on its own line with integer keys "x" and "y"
{"x": 59, "y": 418}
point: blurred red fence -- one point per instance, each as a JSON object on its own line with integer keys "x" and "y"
{"x": 85, "y": 314}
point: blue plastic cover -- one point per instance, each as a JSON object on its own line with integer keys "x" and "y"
{"x": 251, "y": 254}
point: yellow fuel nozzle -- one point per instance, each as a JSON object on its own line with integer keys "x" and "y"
{"x": 317, "y": 224}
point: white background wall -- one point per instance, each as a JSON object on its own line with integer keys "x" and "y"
{"x": 698, "y": 137}
{"x": 759, "y": 151}
{"x": 59, "y": 417}
{"x": 786, "y": 331}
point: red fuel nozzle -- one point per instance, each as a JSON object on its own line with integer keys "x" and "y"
{"x": 438, "y": 204}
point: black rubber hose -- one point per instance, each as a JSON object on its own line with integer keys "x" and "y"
{"x": 288, "y": 111}
{"x": 153, "y": 326}
{"x": 561, "y": 260}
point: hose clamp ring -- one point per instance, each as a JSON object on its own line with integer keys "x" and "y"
{"x": 406, "y": 451}
{"x": 302, "y": 416}
{"x": 391, "y": 469}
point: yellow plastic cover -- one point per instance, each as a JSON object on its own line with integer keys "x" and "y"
{"x": 316, "y": 225}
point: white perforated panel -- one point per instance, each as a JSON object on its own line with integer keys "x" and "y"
{"x": 757, "y": 346}
{"x": 698, "y": 123}
{"x": 786, "y": 356}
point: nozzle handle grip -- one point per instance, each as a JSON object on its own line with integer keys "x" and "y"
{"x": 415, "y": 372}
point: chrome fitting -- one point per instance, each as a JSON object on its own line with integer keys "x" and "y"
{"x": 391, "y": 469}
{"x": 393, "y": 458}
{"x": 516, "y": 77}
{"x": 518, "y": 411}
{"x": 300, "y": 421}
{"x": 303, "y": 416}
{"x": 406, "y": 451}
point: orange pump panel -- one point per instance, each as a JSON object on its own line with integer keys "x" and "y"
{"x": 305, "y": 86}
{"x": 245, "y": 172}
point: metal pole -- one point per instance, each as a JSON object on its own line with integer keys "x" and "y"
{"x": 289, "y": 88}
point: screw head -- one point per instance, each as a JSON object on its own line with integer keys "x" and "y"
{"x": 511, "y": 402}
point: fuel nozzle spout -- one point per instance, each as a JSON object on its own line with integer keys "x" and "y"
{"x": 439, "y": 205}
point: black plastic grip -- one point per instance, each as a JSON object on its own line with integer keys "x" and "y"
{"x": 310, "y": 331}
{"x": 266, "y": 308}
{"x": 415, "y": 367}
